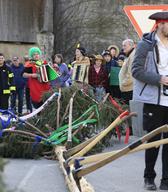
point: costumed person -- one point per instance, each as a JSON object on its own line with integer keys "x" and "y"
{"x": 112, "y": 69}
{"x": 125, "y": 74}
{"x": 62, "y": 69}
{"x": 98, "y": 78}
{"x": 20, "y": 83}
{"x": 7, "y": 85}
{"x": 81, "y": 66}
{"x": 150, "y": 70}
{"x": 37, "y": 88}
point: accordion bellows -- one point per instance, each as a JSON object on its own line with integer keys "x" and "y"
{"x": 47, "y": 73}
{"x": 80, "y": 70}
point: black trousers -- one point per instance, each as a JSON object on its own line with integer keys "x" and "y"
{"x": 4, "y": 101}
{"x": 115, "y": 91}
{"x": 28, "y": 100}
{"x": 126, "y": 96}
{"x": 155, "y": 116}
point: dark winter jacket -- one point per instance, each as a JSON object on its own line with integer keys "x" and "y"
{"x": 6, "y": 80}
{"x": 19, "y": 80}
{"x": 112, "y": 63}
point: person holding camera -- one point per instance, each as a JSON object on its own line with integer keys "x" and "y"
{"x": 150, "y": 70}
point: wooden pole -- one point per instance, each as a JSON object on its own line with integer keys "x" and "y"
{"x": 67, "y": 108}
{"x": 58, "y": 107}
{"x": 99, "y": 157}
{"x": 69, "y": 141}
{"x": 100, "y": 136}
{"x": 124, "y": 151}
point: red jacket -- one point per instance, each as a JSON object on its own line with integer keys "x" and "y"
{"x": 98, "y": 79}
{"x": 37, "y": 88}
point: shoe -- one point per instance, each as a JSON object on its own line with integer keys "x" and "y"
{"x": 164, "y": 184}
{"x": 149, "y": 184}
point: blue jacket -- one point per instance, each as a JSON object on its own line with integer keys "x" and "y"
{"x": 19, "y": 80}
{"x": 64, "y": 76}
{"x": 147, "y": 88}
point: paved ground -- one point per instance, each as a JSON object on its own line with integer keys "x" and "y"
{"x": 122, "y": 175}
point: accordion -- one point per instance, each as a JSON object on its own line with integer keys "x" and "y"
{"x": 47, "y": 73}
{"x": 80, "y": 72}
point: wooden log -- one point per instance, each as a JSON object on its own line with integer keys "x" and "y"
{"x": 69, "y": 178}
{"x": 58, "y": 108}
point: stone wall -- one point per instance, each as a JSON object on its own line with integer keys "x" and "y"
{"x": 95, "y": 24}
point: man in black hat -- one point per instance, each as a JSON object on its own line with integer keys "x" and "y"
{"x": 150, "y": 70}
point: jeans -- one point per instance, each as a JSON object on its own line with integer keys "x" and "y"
{"x": 19, "y": 93}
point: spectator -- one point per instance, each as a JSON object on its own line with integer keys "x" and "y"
{"x": 62, "y": 69}
{"x": 20, "y": 82}
{"x": 27, "y": 89}
{"x": 112, "y": 69}
{"x": 125, "y": 75}
{"x": 98, "y": 78}
{"x": 114, "y": 51}
{"x": 6, "y": 83}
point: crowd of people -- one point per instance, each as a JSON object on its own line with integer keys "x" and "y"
{"x": 108, "y": 72}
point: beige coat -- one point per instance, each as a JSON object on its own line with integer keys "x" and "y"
{"x": 125, "y": 75}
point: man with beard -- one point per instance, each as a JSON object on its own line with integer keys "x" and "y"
{"x": 150, "y": 70}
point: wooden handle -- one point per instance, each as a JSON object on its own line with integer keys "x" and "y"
{"x": 100, "y": 136}
{"x": 122, "y": 152}
{"x": 99, "y": 157}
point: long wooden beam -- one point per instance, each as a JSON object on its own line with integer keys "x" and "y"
{"x": 84, "y": 171}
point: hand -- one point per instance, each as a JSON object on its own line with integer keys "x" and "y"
{"x": 34, "y": 75}
{"x": 164, "y": 80}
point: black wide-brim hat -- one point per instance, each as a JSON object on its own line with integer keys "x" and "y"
{"x": 163, "y": 15}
